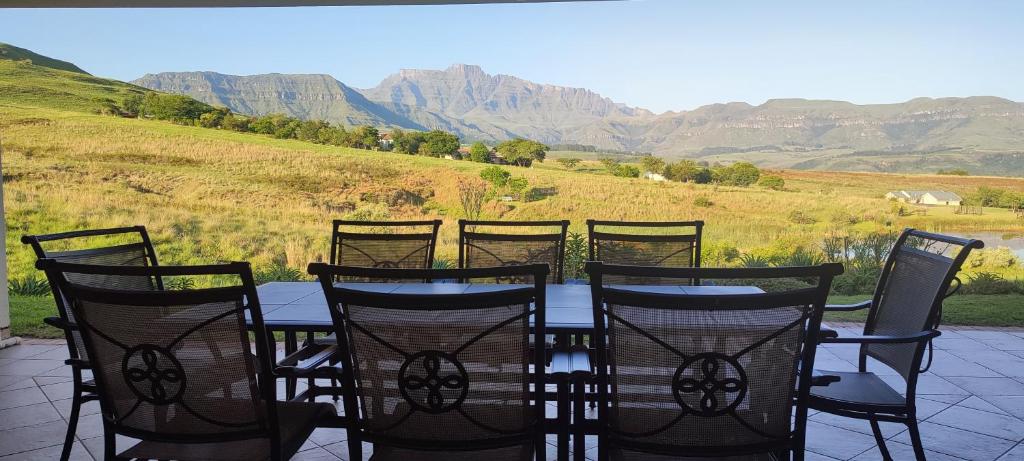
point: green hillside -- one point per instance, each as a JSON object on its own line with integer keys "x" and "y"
{"x": 13, "y": 53}
{"x": 29, "y": 85}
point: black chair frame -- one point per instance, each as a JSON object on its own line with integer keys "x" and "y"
{"x": 83, "y": 390}
{"x": 814, "y": 297}
{"x": 338, "y": 296}
{"x": 246, "y": 290}
{"x": 903, "y": 414}
{"x": 593, "y": 235}
{"x": 465, "y": 237}
{"x": 338, "y": 236}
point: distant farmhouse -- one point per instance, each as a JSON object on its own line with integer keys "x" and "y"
{"x": 385, "y": 141}
{"x": 925, "y": 197}
{"x": 654, "y": 176}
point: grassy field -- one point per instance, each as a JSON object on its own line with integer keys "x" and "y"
{"x": 210, "y": 195}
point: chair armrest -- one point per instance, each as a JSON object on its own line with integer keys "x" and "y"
{"x": 819, "y": 379}
{"x": 58, "y": 322}
{"x": 847, "y": 307}
{"x": 872, "y": 339}
{"x": 826, "y": 332}
{"x": 571, "y": 365}
{"x": 308, "y": 362}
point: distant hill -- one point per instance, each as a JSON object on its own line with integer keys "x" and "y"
{"x": 13, "y": 53}
{"x": 307, "y": 96}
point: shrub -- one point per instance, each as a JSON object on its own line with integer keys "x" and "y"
{"x": 989, "y": 283}
{"x": 277, "y": 272}
{"x": 772, "y": 182}
{"x": 702, "y": 201}
{"x": 496, "y": 175}
{"x": 444, "y": 263}
{"x": 29, "y": 285}
{"x": 576, "y": 255}
{"x": 180, "y": 283}
{"x": 718, "y": 254}
{"x": 752, "y": 260}
{"x": 801, "y": 217}
{"x": 569, "y": 162}
{"x": 479, "y": 152}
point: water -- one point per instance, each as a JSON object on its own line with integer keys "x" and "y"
{"x": 1012, "y": 240}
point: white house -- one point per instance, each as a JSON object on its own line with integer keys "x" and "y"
{"x": 654, "y": 176}
{"x": 925, "y": 197}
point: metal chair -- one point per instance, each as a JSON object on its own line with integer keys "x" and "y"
{"x": 903, "y": 317}
{"x": 650, "y": 246}
{"x": 491, "y": 249}
{"x": 175, "y": 368}
{"x": 125, "y": 246}
{"x": 682, "y": 375}
{"x": 380, "y": 244}
{"x": 440, "y": 376}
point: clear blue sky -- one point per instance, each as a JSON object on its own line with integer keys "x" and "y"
{"x": 657, "y": 54}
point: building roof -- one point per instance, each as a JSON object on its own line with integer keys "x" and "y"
{"x": 940, "y": 195}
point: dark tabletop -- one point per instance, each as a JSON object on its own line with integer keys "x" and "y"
{"x": 301, "y": 306}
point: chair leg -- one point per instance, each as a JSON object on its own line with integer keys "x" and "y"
{"x": 76, "y": 406}
{"x": 563, "y": 420}
{"x": 579, "y": 418}
{"x": 290, "y": 346}
{"x": 109, "y": 444}
{"x": 880, "y": 439}
{"x": 915, "y": 438}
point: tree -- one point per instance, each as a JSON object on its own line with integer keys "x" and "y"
{"x": 496, "y": 175}
{"x": 441, "y": 143}
{"x": 627, "y": 171}
{"x": 472, "y": 193}
{"x": 479, "y": 152}
{"x": 235, "y": 122}
{"x": 682, "y": 171}
{"x": 214, "y": 118}
{"x": 174, "y": 107}
{"x": 522, "y": 152}
{"x": 366, "y": 137}
{"x": 737, "y": 174}
{"x": 407, "y": 142}
{"x": 569, "y": 162}
{"x": 772, "y": 182}
{"x": 652, "y": 164}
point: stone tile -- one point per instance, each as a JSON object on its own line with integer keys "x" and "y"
{"x": 47, "y": 380}
{"x": 57, "y": 353}
{"x": 978, "y": 403}
{"x": 836, "y": 442}
{"x": 1014, "y": 405}
{"x": 21, "y": 397}
{"x": 64, "y": 408}
{"x": 946, "y": 364}
{"x": 340, "y": 450}
{"x": 78, "y": 453}
{"x": 958, "y": 345}
{"x": 12, "y": 382}
{"x": 1017, "y": 453}
{"x": 30, "y": 367}
{"x": 59, "y": 391}
{"x": 328, "y": 435}
{"x": 28, "y": 415}
{"x": 901, "y": 451}
{"x": 23, "y": 351}
{"x": 969, "y": 419}
{"x": 943, "y": 398}
{"x": 958, "y": 442}
{"x": 315, "y": 454}
{"x": 989, "y": 386}
{"x": 89, "y": 426}
{"x": 64, "y": 371}
{"x": 95, "y": 445}
{"x": 929, "y": 384}
{"x": 28, "y": 438}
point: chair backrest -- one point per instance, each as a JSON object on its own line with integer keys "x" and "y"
{"x": 384, "y": 244}
{"x": 441, "y": 371}
{"x": 124, "y": 246}
{"x": 660, "y": 244}
{"x": 174, "y": 365}
{"x": 706, "y": 374}
{"x": 536, "y": 242}
{"x": 915, "y": 279}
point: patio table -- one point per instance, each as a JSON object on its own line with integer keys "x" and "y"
{"x": 297, "y": 307}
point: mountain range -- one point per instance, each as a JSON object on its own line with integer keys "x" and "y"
{"x": 479, "y": 106}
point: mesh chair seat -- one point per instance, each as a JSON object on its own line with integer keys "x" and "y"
{"x": 519, "y": 452}
{"x": 298, "y": 419}
{"x": 856, "y": 390}
{"x": 626, "y": 455}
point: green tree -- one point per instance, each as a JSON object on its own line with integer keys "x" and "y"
{"x": 309, "y": 130}
{"x": 479, "y": 152}
{"x": 737, "y": 174}
{"x": 213, "y": 118}
{"x": 627, "y": 171}
{"x": 682, "y": 171}
{"x": 522, "y": 152}
{"x": 407, "y": 142}
{"x": 652, "y": 164}
{"x": 235, "y": 122}
{"x": 174, "y": 107}
{"x": 441, "y": 143}
{"x": 569, "y": 162}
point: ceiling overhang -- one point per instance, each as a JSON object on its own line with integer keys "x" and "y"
{"x": 242, "y": 3}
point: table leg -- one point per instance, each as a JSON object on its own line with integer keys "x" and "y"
{"x": 579, "y": 418}
{"x": 291, "y": 344}
{"x": 563, "y": 419}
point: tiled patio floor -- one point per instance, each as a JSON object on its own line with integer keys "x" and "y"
{"x": 971, "y": 405}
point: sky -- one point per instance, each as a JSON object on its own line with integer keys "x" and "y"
{"x": 656, "y": 54}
